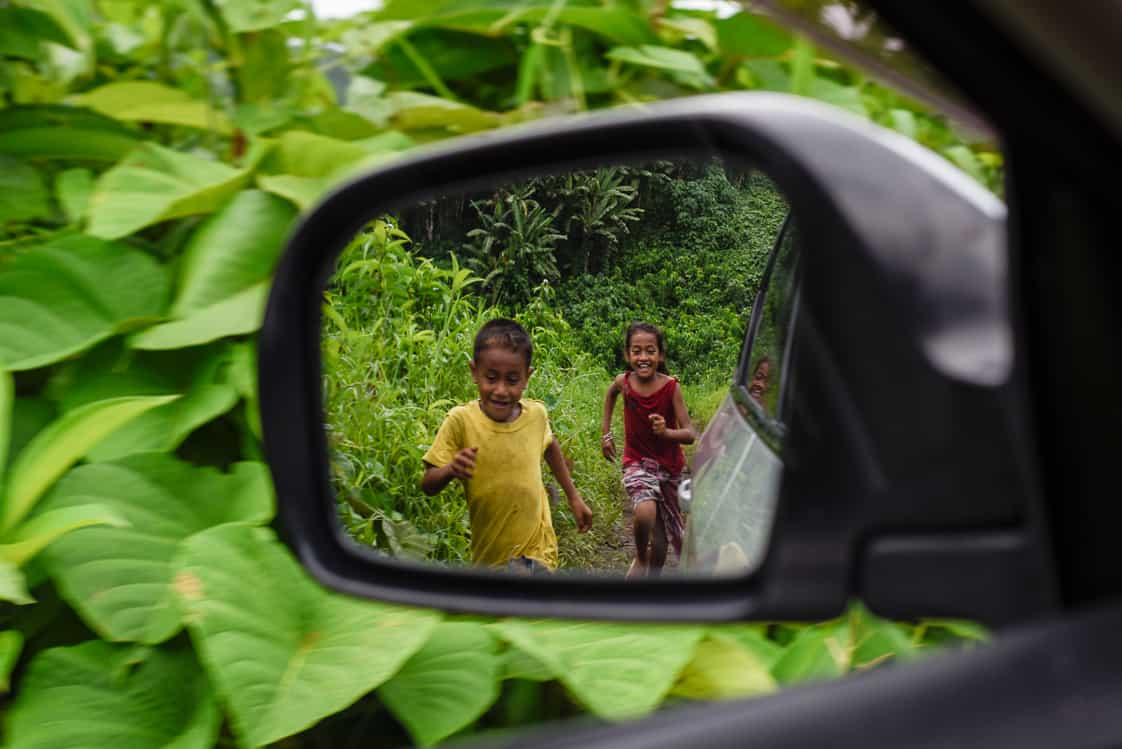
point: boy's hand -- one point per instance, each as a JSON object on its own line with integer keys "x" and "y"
{"x": 581, "y": 513}
{"x": 658, "y": 425}
{"x": 463, "y": 465}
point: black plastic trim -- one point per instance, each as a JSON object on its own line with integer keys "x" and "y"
{"x": 831, "y": 167}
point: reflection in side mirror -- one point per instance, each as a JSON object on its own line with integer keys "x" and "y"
{"x": 454, "y": 441}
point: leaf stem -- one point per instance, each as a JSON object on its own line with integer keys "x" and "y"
{"x": 426, "y": 70}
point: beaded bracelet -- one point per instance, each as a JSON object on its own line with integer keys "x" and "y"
{"x": 607, "y": 436}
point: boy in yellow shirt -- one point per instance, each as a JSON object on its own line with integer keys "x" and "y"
{"x": 495, "y": 445}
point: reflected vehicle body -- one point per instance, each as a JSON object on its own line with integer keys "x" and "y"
{"x": 732, "y": 495}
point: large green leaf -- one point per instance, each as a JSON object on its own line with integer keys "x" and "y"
{"x": 13, "y": 586}
{"x": 686, "y": 67}
{"x": 663, "y": 58}
{"x": 225, "y": 272}
{"x": 60, "y": 444}
{"x": 29, "y": 417}
{"x": 681, "y": 28}
{"x": 446, "y": 685}
{"x": 73, "y": 188}
{"x": 32, "y": 536}
{"x": 937, "y": 631}
{"x": 616, "y": 670}
{"x": 752, "y": 639}
{"x": 120, "y": 579}
{"x": 96, "y": 695}
{"x": 877, "y": 640}
{"x": 148, "y": 101}
{"x": 154, "y": 183}
{"x": 162, "y": 429}
{"x": 256, "y": 15}
{"x": 23, "y": 194}
{"x": 22, "y": 30}
{"x": 75, "y": 19}
{"x": 340, "y": 157}
{"x": 262, "y": 68}
{"x": 846, "y": 97}
{"x": 303, "y": 192}
{"x": 239, "y": 314}
{"x": 748, "y": 35}
{"x": 58, "y": 132}
{"x": 518, "y": 664}
{"x": 431, "y": 54}
{"x": 232, "y": 250}
{"x": 416, "y": 111}
{"x": 819, "y": 652}
{"x": 64, "y": 297}
{"x": 11, "y": 643}
{"x": 722, "y": 669}
{"x": 7, "y": 404}
{"x": 304, "y": 154}
{"x": 281, "y": 651}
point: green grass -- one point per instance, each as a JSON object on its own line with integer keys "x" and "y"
{"x": 397, "y": 339}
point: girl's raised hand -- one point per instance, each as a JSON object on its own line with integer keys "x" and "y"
{"x": 658, "y": 425}
{"x": 608, "y": 446}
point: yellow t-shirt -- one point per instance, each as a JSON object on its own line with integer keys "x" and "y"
{"x": 506, "y": 497}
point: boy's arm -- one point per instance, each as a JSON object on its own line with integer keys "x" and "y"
{"x": 607, "y": 441}
{"x": 462, "y": 467}
{"x": 556, "y": 460}
{"x": 434, "y": 479}
{"x": 447, "y": 458}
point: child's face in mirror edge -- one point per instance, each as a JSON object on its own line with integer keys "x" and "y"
{"x": 501, "y": 374}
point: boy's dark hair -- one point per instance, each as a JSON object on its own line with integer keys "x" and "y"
{"x": 503, "y": 332}
{"x": 646, "y": 327}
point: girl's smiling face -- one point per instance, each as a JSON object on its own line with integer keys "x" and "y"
{"x": 643, "y": 354}
{"x": 501, "y": 376}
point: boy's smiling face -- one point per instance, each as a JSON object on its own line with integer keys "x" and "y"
{"x": 501, "y": 376}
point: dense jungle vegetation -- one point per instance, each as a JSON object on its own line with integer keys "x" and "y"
{"x": 575, "y": 258}
{"x": 153, "y": 158}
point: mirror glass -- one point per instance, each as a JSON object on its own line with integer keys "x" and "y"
{"x": 545, "y": 375}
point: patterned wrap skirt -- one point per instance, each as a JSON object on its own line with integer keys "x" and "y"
{"x": 647, "y": 481}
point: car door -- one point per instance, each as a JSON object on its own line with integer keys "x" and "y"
{"x": 737, "y": 465}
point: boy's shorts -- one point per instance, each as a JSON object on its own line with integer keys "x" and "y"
{"x": 527, "y": 566}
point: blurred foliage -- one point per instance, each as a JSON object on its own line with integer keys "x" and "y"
{"x": 153, "y": 157}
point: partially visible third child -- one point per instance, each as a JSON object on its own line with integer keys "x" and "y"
{"x": 495, "y": 446}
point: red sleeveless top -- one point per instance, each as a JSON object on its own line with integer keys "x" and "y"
{"x": 640, "y": 440}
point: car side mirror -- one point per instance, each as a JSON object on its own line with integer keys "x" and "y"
{"x": 882, "y": 453}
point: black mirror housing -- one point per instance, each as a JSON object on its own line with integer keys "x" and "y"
{"x": 907, "y": 479}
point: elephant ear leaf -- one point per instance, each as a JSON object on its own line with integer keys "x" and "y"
{"x": 115, "y": 695}
{"x": 62, "y": 443}
{"x": 64, "y": 296}
{"x": 154, "y": 184}
{"x": 13, "y": 586}
{"x": 448, "y": 683}
{"x": 287, "y": 654}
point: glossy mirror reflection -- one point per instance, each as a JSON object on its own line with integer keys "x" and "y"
{"x": 485, "y": 405}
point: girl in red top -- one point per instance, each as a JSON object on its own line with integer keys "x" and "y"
{"x": 656, "y": 425}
